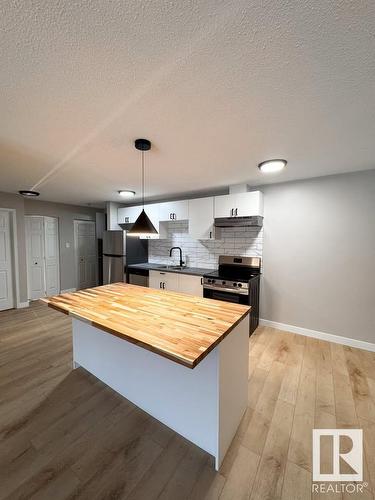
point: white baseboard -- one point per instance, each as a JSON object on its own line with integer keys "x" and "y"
{"x": 329, "y": 337}
{"x": 22, "y": 305}
{"x": 69, "y": 290}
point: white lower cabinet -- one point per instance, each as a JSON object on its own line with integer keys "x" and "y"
{"x": 191, "y": 284}
{"x": 164, "y": 281}
{"x": 176, "y": 282}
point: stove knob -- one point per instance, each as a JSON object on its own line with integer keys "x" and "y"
{"x": 209, "y": 281}
{"x": 224, "y": 283}
{"x": 234, "y": 284}
{"x": 240, "y": 285}
{"x": 213, "y": 281}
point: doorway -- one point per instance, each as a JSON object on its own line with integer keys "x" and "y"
{"x": 7, "y": 279}
{"x": 43, "y": 256}
{"x": 85, "y": 253}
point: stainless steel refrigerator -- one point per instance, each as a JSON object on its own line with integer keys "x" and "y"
{"x": 120, "y": 250}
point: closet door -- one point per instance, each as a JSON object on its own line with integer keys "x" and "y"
{"x": 35, "y": 257}
{"x": 6, "y": 276}
{"x": 51, "y": 247}
{"x": 85, "y": 253}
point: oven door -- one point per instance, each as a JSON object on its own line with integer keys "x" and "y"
{"x": 236, "y": 298}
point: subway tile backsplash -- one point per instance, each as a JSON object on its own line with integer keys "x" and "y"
{"x": 205, "y": 253}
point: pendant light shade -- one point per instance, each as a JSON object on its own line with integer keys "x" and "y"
{"x": 142, "y": 226}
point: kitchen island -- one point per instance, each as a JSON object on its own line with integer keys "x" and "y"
{"x": 182, "y": 359}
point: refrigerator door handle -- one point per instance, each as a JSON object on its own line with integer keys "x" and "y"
{"x": 109, "y": 269}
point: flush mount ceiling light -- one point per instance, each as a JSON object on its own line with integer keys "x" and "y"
{"x": 142, "y": 226}
{"x": 125, "y": 193}
{"x": 270, "y": 166}
{"x": 29, "y": 194}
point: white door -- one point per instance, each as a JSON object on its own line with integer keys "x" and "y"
{"x": 128, "y": 215}
{"x": 239, "y": 204}
{"x": 174, "y": 210}
{"x": 43, "y": 256}
{"x": 85, "y": 250}
{"x": 35, "y": 257}
{"x": 6, "y": 275}
{"x": 171, "y": 282}
{"x": 155, "y": 279}
{"x": 201, "y": 218}
{"x": 51, "y": 254}
{"x": 164, "y": 281}
{"x": 191, "y": 284}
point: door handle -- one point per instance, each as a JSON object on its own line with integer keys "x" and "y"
{"x": 35, "y": 263}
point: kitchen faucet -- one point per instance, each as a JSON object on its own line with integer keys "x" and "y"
{"x": 177, "y": 248}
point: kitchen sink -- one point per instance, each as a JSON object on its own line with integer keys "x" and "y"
{"x": 173, "y": 268}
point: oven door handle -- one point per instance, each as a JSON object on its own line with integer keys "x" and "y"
{"x": 238, "y": 291}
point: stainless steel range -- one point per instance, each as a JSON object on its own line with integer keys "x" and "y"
{"x": 236, "y": 280}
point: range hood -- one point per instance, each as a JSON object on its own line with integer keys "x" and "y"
{"x": 249, "y": 221}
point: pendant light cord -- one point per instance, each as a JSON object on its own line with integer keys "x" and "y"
{"x": 143, "y": 179}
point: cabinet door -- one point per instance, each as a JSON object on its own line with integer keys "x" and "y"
{"x": 248, "y": 204}
{"x": 191, "y": 285}
{"x": 163, "y": 281}
{"x": 224, "y": 206}
{"x": 239, "y": 204}
{"x": 174, "y": 210}
{"x": 201, "y": 218}
{"x": 152, "y": 212}
{"x": 128, "y": 214}
{"x": 171, "y": 281}
{"x": 156, "y": 279}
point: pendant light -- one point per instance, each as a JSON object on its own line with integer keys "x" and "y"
{"x": 142, "y": 226}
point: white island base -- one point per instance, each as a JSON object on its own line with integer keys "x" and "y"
{"x": 204, "y": 404}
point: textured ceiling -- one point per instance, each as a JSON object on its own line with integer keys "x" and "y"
{"x": 217, "y": 86}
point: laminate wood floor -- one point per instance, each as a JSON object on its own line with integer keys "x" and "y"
{"x": 65, "y": 435}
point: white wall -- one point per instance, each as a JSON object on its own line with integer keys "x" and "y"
{"x": 319, "y": 254}
{"x": 205, "y": 253}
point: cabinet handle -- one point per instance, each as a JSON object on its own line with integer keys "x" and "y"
{"x": 160, "y": 285}
{"x": 210, "y": 234}
{"x": 174, "y": 216}
{"x": 170, "y": 216}
{"x": 231, "y": 212}
{"x": 163, "y": 286}
{"x": 236, "y": 212}
{"x": 126, "y": 219}
{"x": 201, "y": 281}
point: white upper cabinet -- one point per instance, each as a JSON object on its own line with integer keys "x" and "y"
{"x": 128, "y": 215}
{"x": 153, "y": 213}
{"x": 201, "y": 218}
{"x": 173, "y": 210}
{"x": 239, "y": 204}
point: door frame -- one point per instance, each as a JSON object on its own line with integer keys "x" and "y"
{"x": 76, "y": 264}
{"x": 15, "y": 266}
{"x": 44, "y": 241}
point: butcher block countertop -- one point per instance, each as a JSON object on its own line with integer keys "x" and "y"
{"x": 178, "y": 326}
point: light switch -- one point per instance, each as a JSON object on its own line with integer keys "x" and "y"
{"x": 67, "y": 244}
